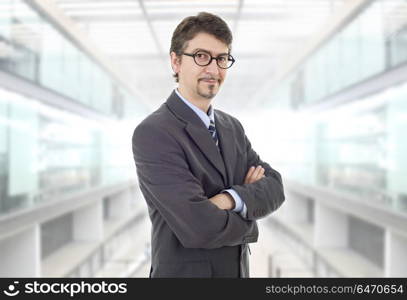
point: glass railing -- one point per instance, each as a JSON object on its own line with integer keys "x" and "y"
{"x": 46, "y": 153}
{"x": 357, "y": 149}
{"x": 373, "y": 42}
{"x": 362, "y": 152}
{"x": 35, "y": 49}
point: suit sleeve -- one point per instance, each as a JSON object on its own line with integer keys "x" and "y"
{"x": 169, "y": 186}
{"x": 265, "y": 195}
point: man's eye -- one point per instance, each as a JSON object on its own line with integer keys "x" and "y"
{"x": 222, "y": 58}
{"x": 202, "y": 55}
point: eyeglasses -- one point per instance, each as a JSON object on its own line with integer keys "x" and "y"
{"x": 202, "y": 58}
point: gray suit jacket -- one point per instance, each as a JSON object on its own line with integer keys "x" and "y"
{"x": 179, "y": 167}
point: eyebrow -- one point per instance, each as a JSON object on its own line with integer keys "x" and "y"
{"x": 200, "y": 49}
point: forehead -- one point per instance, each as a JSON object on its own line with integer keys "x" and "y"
{"x": 207, "y": 42}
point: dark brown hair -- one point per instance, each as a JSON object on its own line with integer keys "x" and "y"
{"x": 192, "y": 25}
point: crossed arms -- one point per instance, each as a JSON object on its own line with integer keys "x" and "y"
{"x": 225, "y": 200}
{"x": 169, "y": 186}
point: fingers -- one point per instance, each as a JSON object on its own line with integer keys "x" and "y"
{"x": 254, "y": 174}
{"x": 249, "y": 174}
{"x": 258, "y": 173}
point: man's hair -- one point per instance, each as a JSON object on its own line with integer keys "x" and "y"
{"x": 192, "y": 25}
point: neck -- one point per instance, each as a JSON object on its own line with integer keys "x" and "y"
{"x": 200, "y": 102}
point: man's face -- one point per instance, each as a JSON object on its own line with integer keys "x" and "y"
{"x": 200, "y": 81}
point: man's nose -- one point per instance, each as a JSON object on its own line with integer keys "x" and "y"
{"x": 212, "y": 68}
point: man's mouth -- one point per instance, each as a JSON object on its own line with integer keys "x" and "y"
{"x": 210, "y": 81}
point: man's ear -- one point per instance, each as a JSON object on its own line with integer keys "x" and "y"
{"x": 175, "y": 62}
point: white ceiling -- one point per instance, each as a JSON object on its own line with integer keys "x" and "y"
{"x": 136, "y": 35}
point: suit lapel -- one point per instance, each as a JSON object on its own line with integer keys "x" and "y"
{"x": 198, "y": 132}
{"x": 227, "y": 144}
{"x": 204, "y": 141}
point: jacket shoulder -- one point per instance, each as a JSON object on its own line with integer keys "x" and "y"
{"x": 161, "y": 117}
{"x": 158, "y": 123}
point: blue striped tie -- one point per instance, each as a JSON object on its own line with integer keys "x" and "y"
{"x": 212, "y": 130}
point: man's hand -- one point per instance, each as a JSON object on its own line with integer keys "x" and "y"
{"x": 254, "y": 174}
{"x": 223, "y": 201}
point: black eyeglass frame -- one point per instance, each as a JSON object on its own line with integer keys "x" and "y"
{"x": 193, "y": 55}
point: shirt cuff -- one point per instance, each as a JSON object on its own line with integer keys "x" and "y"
{"x": 239, "y": 204}
{"x": 243, "y": 213}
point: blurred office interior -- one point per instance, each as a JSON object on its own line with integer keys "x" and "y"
{"x": 319, "y": 85}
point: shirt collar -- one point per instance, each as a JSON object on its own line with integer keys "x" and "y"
{"x": 206, "y": 118}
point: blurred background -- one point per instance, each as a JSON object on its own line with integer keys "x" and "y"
{"x": 319, "y": 85}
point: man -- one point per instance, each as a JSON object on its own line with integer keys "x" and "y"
{"x": 203, "y": 183}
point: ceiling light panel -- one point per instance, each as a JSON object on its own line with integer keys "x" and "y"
{"x": 97, "y": 5}
{"x": 134, "y": 37}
